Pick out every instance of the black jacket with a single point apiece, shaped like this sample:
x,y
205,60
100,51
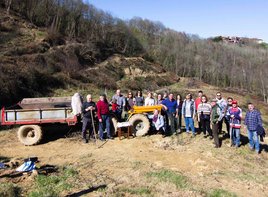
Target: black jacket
x,y
87,114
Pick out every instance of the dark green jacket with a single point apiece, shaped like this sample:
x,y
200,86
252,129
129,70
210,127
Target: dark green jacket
x,y
216,114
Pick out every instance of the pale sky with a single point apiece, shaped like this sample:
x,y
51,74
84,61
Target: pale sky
x,y
206,18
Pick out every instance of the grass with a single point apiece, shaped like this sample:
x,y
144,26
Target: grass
x,y
221,193
53,185
169,176
142,191
9,190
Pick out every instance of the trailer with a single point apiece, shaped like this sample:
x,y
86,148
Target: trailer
x,y
34,113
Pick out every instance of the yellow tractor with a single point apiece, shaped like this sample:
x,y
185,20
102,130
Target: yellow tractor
x,y
139,117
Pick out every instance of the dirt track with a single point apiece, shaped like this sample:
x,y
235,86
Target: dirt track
x,y
125,163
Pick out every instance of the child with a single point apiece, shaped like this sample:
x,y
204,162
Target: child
x,y
115,108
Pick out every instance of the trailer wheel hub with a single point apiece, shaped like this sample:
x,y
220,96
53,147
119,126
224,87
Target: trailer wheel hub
x,y
30,134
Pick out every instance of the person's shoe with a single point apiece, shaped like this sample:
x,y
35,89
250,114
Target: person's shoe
x,y
210,137
178,131
193,135
216,147
101,139
110,138
188,132
85,141
236,146
205,136
251,148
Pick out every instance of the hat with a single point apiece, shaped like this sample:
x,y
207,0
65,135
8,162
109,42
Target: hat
x,y
214,100
234,102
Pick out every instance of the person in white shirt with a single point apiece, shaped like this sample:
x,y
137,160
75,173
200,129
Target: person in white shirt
x,y
149,101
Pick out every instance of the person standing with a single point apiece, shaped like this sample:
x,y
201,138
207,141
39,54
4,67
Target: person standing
x,y
188,112
222,105
216,116
159,99
149,101
203,116
227,116
197,101
179,107
104,117
139,99
235,124
121,101
253,120
170,106
130,101
88,109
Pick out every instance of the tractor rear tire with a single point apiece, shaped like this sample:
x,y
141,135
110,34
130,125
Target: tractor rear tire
x,y
30,134
140,124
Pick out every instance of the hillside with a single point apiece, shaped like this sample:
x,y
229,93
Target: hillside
x,y
56,55
34,63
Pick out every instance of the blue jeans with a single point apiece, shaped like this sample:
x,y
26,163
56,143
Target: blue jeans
x,y
189,122
104,124
235,136
254,140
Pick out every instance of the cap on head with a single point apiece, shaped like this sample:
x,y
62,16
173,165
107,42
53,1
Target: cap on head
x,y
214,100
234,102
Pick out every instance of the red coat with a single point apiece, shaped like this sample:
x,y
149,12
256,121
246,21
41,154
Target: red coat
x,y
197,102
102,108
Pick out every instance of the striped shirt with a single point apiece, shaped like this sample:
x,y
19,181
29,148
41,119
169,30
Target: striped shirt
x,y
205,108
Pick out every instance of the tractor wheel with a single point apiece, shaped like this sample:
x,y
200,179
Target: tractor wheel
x,y
30,134
140,123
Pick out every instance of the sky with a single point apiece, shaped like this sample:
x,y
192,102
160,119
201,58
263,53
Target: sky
x,y
206,18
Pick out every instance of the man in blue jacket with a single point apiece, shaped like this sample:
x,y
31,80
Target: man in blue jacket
x,y
170,106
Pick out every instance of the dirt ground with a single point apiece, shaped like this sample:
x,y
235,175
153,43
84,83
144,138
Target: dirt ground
x,y
120,166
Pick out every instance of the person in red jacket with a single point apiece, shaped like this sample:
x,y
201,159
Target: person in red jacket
x,y
103,116
197,102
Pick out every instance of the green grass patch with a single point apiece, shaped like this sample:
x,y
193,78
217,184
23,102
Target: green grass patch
x,y
9,190
142,191
169,176
53,185
221,193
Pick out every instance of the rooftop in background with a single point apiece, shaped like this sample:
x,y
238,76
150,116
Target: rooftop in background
x,y
206,18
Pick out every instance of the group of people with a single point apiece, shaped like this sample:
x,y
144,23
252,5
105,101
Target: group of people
x,y
209,115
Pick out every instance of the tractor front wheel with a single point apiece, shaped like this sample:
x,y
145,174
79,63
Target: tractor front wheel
x,y
140,123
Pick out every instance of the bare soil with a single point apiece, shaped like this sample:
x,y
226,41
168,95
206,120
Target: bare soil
x,y
119,167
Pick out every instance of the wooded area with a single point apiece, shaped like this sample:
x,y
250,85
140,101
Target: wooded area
x,y
225,65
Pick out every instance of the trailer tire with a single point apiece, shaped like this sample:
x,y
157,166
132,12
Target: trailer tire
x,y
30,134
140,124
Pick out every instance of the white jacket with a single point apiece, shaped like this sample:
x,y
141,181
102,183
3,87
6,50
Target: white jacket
x,y
159,123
